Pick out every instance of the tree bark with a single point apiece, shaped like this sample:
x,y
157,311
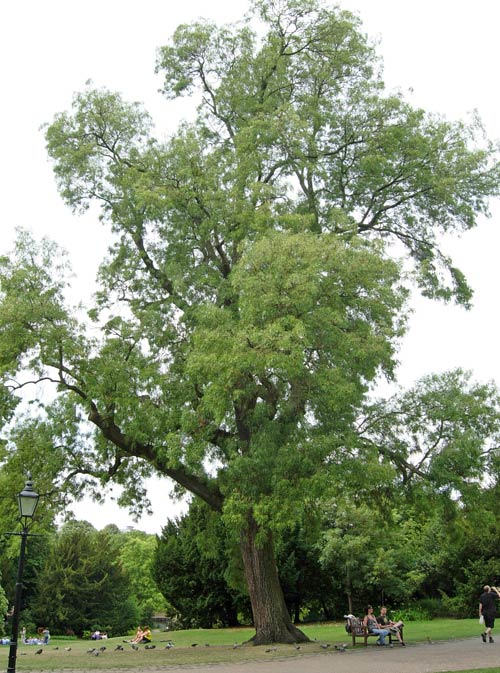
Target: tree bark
x,y
349,591
271,618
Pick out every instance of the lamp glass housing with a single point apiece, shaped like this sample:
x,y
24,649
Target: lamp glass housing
x,y
27,500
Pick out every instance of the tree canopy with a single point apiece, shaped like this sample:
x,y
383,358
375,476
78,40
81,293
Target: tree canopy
x,y
251,294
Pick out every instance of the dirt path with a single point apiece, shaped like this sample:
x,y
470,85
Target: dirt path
x,y
449,655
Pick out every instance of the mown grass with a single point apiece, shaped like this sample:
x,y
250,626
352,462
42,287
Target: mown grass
x,y
204,646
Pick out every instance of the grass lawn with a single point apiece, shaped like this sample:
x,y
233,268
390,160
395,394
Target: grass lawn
x,y
203,646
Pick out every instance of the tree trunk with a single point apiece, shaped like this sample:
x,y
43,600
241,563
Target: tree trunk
x,y
349,591
271,619
349,603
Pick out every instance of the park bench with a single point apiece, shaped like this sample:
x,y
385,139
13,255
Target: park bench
x,y
358,630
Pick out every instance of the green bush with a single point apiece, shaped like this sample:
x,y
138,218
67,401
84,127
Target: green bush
x,y
456,606
413,613
433,607
26,621
426,609
465,599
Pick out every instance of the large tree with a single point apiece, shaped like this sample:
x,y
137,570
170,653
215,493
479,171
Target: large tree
x,y
248,300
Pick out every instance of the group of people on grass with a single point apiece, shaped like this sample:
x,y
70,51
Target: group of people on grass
x,y
42,639
382,626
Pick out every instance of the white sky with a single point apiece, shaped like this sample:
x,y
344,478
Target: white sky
x,y
445,50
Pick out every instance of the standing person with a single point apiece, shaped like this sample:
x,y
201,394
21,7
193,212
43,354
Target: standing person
x,y
488,610
370,621
394,627
46,636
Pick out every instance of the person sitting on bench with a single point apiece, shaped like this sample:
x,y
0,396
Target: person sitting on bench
x,y
394,627
371,623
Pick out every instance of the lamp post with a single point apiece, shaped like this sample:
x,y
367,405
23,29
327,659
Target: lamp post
x,y
27,501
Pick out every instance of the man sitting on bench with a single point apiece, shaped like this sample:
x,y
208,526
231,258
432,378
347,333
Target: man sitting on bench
x,y
394,627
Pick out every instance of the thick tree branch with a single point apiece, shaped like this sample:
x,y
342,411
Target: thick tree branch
x,y
207,492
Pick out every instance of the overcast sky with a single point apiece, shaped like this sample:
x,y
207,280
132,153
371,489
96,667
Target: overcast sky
x,y
443,53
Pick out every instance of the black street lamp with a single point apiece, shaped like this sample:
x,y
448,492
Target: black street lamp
x,y
27,500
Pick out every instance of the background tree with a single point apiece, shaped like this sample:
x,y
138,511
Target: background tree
x,y
15,464
193,568
474,555
348,552
136,551
441,436
257,299
429,458
4,606
83,585
308,587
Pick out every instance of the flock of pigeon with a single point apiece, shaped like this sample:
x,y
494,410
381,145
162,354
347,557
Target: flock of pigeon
x,y
40,650
94,651
98,651
325,646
